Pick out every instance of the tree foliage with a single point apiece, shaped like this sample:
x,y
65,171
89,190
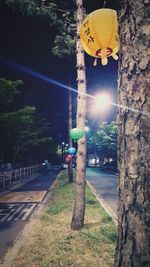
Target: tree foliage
x,y
105,140
64,43
65,40
61,14
45,10
21,129
8,90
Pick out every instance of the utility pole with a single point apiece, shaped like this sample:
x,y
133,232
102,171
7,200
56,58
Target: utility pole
x,y
62,153
70,170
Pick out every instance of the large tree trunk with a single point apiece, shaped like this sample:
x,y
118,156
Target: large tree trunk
x,y
79,209
133,248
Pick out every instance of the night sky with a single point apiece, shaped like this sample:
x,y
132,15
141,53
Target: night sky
x,y
28,41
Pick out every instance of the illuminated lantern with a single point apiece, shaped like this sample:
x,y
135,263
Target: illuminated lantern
x,y
68,157
76,134
99,34
71,150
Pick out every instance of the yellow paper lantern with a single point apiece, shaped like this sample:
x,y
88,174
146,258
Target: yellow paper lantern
x,y
99,34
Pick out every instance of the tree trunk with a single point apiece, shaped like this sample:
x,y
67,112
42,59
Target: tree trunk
x,y
70,170
133,248
79,209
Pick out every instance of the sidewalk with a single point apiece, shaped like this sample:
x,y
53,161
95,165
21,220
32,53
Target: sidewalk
x,y
18,203
4,191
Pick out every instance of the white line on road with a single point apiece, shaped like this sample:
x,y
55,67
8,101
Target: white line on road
x,y
6,216
12,216
16,211
28,211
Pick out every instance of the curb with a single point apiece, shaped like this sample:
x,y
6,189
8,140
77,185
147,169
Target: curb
x,y
115,173
27,229
103,203
43,203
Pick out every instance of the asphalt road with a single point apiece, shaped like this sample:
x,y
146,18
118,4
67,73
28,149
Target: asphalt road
x,y
17,206
105,184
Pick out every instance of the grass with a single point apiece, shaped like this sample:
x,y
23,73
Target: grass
x,y
53,244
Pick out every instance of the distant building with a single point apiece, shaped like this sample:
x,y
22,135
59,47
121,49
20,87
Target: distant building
x,y
92,160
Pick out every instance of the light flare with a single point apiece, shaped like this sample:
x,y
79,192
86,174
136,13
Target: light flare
x,y
102,102
59,84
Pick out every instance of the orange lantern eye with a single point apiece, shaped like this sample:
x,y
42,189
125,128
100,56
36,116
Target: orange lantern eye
x,y
99,34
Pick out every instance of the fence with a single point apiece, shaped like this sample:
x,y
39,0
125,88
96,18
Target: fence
x,y
13,176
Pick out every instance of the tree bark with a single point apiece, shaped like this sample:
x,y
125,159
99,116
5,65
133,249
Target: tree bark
x,y
133,247
79,209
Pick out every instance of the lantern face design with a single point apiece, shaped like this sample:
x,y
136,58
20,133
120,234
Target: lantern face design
x,y
71,150
99,34
76,134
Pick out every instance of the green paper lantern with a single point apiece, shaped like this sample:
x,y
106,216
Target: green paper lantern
x,y
76,134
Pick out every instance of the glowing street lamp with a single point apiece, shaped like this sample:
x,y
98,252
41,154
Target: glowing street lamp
x,y
87,128
102,102
62,152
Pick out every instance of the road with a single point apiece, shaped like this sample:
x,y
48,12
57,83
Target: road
x,y
17,206
105,184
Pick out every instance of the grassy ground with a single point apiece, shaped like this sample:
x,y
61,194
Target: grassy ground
x,y
52,243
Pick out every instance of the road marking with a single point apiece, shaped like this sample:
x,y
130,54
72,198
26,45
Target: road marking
x,y
26,196
7,213
27,212
15,212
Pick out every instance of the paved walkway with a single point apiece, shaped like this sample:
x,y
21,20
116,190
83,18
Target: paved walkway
x,y
17,205
105,184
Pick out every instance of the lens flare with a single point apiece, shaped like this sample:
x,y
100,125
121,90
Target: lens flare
x,y
35,74
59,84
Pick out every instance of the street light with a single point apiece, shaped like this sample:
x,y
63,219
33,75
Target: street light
x,y
102,102
87,128
98,107
62,152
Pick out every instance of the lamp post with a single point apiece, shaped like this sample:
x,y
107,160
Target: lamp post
x,y
70,170
62,153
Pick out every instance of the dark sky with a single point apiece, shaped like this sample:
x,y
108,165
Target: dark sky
x,y
28,41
